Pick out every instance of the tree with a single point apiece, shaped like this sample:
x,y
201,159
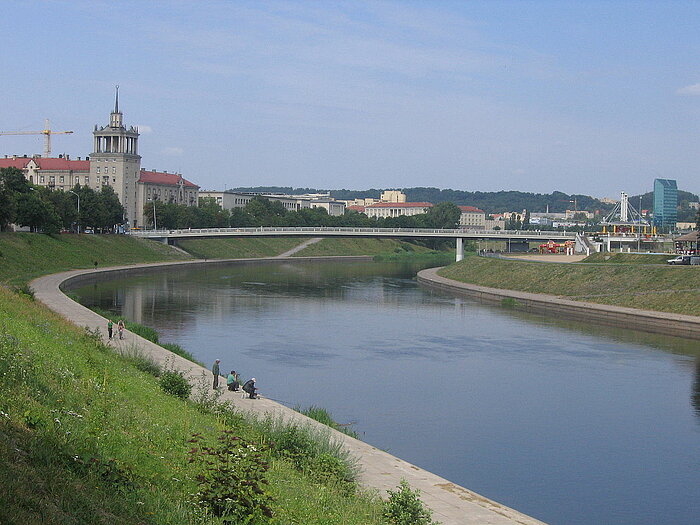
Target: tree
x,y
112,210
444,215
36,213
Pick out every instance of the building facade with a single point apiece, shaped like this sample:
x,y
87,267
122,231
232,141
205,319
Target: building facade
x,y
115,162
665,203
472,218
396,209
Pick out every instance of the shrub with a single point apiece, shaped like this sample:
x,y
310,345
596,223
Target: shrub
x,y
174,383
404,507
232,482
296,445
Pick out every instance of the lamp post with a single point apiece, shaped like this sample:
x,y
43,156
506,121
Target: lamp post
x,y
71,191
155,227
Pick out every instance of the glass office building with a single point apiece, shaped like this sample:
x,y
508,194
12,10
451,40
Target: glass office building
x,y
665,203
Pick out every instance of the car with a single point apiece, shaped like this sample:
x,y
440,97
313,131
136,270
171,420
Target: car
x,y
684,259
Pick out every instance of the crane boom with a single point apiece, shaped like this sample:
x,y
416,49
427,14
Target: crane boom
x,y
47,132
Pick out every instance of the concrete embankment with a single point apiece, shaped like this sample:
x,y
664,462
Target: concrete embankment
x,y
687,326
451,504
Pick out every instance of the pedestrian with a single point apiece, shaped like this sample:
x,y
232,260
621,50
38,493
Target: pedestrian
x,y
215,371
120,328
249,388
95,265
110,324
232,381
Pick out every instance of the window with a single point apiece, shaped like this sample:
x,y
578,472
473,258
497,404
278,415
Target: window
x,y
114,169
97,170
42,179
87,180
62,179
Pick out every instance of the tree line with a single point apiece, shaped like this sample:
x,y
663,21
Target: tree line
x,y
261,211
49,211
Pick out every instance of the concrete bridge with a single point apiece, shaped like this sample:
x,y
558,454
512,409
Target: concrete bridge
x,y
510,236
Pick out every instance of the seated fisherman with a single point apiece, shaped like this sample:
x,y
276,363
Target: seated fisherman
x,y
249,388
232,381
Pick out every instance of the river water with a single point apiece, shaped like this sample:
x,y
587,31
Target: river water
x,y
567,422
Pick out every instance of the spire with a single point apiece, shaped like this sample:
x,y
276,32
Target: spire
x,y
115,119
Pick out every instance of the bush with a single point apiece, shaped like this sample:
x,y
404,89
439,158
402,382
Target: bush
x,y
232,481
404,507
295,444
174,383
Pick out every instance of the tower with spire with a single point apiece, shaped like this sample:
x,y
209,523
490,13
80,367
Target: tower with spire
x,y
115,161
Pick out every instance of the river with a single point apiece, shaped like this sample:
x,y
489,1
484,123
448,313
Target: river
x,y
564,421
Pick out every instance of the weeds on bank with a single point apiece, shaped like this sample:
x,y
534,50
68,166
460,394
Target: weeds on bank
x,y
86,437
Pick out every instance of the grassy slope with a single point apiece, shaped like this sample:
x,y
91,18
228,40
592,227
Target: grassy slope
x,y
239,247
628,258
359,246
64,396
24,256
649,287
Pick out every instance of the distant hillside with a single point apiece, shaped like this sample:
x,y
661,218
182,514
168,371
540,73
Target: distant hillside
x,y
491,202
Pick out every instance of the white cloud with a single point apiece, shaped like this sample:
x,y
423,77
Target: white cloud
x,y
173,152
689,90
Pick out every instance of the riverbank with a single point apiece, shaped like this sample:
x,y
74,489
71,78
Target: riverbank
x,y
556,306
653,287
451,503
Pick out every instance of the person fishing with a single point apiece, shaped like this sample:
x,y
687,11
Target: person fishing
x,y
250,389
232,381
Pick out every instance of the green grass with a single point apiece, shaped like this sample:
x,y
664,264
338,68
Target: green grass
x,y
238,247
86,437
359,246
24,256
628,258
674,289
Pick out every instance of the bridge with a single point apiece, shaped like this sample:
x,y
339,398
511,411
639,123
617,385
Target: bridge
x,y
517,236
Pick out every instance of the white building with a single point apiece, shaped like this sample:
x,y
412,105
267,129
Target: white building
x,y
230,199
397,209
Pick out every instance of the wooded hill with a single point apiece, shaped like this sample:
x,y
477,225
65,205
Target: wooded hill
x,y
490,202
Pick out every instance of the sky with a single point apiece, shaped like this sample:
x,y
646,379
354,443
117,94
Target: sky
x,y
590,97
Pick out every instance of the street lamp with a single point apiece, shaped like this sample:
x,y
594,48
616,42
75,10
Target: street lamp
x,y
71,191
155,226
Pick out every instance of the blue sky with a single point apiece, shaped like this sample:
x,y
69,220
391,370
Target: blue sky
x,y
581,97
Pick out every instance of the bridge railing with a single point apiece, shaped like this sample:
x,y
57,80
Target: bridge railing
x,y
414,232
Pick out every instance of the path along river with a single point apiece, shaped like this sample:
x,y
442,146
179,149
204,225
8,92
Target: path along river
x,y
566,422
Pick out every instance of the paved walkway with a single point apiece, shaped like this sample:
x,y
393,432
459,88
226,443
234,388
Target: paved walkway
x,y
303,245
450,503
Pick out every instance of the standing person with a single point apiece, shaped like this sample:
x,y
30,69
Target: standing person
x,y
249,388
110,324
232,381
215,371
120,328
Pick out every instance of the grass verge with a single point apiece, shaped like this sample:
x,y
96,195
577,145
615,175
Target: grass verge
x,y
87,437
674,289
25,256
359,246
238,247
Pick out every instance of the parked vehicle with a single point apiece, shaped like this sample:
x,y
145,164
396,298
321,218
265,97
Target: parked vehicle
x,y
685,259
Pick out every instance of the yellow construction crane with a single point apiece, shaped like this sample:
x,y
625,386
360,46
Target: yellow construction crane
x,y
46,132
